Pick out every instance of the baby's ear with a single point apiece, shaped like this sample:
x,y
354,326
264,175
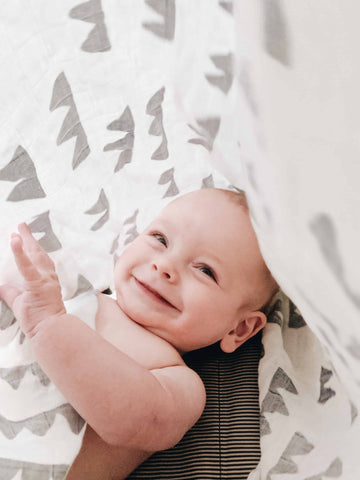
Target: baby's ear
x,y
245,329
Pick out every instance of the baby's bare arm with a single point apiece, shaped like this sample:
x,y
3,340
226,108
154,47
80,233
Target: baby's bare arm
x,y
98,460
126,404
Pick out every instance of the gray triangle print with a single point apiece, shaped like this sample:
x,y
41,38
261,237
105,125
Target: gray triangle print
x,y
124,124
298,445
166,9
273,400
40,424
83,285
208,182
92,12
335,470
276,316
168,177
14,375
154,108
227,5
225,64
276,35
325,392
295,318
21,167
31,471
323,228
71,127
132,232
6,316
207,130
101,205
42,224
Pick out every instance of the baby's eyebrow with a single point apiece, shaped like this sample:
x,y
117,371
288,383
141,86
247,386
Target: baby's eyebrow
x,y
214,262
163,225
157,220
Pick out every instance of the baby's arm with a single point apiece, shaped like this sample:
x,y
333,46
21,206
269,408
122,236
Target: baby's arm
x,y
125,403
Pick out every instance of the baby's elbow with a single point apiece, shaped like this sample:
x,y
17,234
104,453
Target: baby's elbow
x,y
150,435
116,432
164,436
164,432
125,433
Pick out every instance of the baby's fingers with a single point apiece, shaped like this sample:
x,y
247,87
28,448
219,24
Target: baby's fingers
x,y
23,263
36,252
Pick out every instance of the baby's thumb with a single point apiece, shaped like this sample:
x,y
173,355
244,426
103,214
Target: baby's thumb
x,y
9,294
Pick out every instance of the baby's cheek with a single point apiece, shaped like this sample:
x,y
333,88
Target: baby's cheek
x,y
200,306
119,272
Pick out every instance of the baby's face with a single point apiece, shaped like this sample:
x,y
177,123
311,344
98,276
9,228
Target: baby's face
x,y
188,277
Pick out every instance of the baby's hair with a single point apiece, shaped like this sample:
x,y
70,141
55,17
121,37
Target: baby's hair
x,y
238,197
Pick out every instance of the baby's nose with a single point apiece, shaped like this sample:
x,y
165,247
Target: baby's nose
x,y
166,270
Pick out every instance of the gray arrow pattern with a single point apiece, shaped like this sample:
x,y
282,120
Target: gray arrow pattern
x,y
14,375
276,315
31,471
62,97
42,224
101,205
298,445
325,392
154,108
207,130
227,5
276,36
166,9
295,318
225,64
273,400
126,144
132,232
6,316
208,182
324,231
168,177
92,12
354,412
39,424
21,167
83,285
334,471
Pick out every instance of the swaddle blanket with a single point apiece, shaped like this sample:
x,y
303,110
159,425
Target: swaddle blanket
x,y
110,109
40,432
298,69
304,408
102,124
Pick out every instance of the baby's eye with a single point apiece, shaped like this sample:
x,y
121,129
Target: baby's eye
x,y
208,271
160,238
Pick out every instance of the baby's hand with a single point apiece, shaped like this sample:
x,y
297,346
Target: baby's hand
x,y
40,298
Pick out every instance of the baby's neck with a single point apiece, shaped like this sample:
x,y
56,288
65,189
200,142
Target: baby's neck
x,y
131,338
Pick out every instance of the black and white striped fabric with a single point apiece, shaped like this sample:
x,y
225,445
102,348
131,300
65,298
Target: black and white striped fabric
x,y
224,443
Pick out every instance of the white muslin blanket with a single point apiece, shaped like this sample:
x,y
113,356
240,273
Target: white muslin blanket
x,y
304,408
40,432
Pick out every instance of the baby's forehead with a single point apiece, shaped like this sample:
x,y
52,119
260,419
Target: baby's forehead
x,y
205,201
214,214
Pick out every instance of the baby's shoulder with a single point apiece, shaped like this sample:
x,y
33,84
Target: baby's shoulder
x,y
132,339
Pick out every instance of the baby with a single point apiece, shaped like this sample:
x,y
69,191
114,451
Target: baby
x,y
194,277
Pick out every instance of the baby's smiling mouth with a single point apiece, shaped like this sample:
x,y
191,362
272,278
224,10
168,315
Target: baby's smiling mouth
x,y
153,293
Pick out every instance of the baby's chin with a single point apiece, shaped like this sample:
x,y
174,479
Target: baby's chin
x,y
133,316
